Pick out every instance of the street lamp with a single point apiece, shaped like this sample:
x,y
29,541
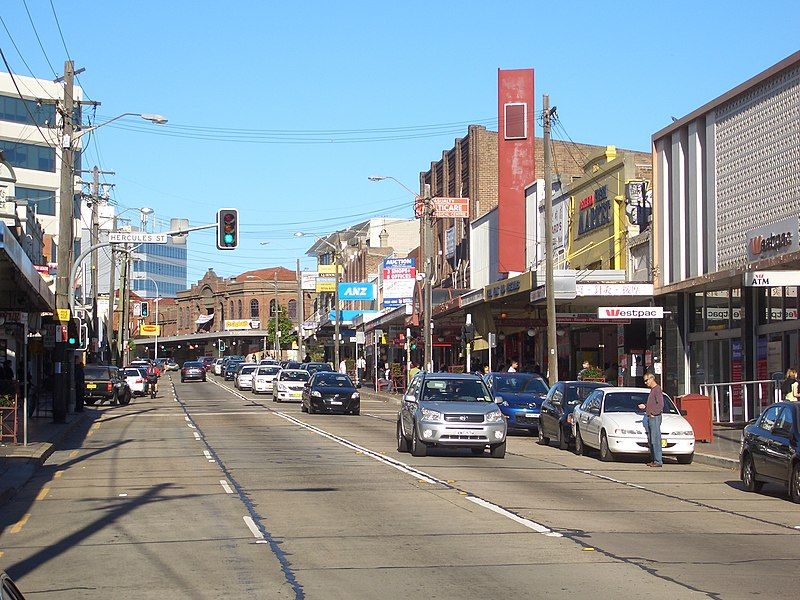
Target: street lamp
x,y
426,248
336,312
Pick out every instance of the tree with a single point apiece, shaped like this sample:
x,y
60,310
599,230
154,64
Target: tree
x,y
285,326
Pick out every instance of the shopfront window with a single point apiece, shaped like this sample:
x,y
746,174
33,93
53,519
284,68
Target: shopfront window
x,y
717,310
736,308
697,308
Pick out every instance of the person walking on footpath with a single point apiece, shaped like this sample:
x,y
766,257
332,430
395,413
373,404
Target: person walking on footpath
x,y
80,385
652,419
343,367
789,387
512,368
361,368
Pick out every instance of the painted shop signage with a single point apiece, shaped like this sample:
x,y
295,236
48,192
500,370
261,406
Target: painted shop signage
x,y
594,211
773,240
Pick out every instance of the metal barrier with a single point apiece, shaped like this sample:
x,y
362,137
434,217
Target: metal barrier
x,y
732,400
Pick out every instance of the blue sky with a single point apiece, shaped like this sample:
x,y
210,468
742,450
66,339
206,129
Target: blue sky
x,y
246,85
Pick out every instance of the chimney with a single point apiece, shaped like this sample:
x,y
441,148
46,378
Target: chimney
x,y
384,238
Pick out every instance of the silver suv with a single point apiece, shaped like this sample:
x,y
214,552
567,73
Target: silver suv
x,y
453,410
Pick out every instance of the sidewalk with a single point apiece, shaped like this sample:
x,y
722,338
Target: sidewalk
x,y
722,451
18,463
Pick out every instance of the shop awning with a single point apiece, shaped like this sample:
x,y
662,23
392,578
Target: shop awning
x,y
21,285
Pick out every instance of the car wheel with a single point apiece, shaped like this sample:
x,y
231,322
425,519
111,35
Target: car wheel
x,y
685,459
605,452
751,484
125,400
114,399
402,442
183,380
356,412
418,447
477,451
498,450
563,443
794,484
580,449
543,440
90,401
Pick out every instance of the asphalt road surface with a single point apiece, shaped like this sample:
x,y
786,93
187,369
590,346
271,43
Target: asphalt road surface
x,y
205,492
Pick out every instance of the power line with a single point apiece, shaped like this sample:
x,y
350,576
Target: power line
x,y
27,66
38,39
61,33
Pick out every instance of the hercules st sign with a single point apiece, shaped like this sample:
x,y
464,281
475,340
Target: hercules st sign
x,y
630,312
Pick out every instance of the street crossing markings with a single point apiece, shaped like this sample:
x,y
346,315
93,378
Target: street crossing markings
x,y
43,493
21,523
226,486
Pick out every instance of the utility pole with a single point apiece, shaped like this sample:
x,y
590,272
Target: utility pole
x,y
427,265
63,364
300,312
552,350
277,334
337,255
111,297
95,239
123,313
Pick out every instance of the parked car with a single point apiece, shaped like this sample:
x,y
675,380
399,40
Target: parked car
x,y
193,370
328,391
230,364
171,365
313,367
244,376
269,361
8,589
520,396
216,366
288,385
140,363
555,417
207,361
137,380
263,377
769,449
106,384
610,421
450,410
292,364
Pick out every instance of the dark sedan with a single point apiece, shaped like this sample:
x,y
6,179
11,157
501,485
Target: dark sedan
x,y
555,418
769,449
193,370
230,368
519,396
328,391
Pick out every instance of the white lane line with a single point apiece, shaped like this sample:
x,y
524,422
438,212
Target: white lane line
x,y
251,525
509,515
196,435
611,479
186,418
207,454
225,486
191,426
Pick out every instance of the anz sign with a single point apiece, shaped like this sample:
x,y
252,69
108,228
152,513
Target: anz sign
x,y
357,291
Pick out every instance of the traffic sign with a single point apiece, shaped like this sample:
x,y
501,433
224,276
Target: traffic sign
x,y
63,314
136,237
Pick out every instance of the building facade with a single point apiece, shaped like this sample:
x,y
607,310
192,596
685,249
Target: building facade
x,y
726,253
164,264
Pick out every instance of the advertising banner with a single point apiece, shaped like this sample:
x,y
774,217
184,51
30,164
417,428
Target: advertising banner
x,y
242,324
356,291
630,312
399,279
308,280
149,330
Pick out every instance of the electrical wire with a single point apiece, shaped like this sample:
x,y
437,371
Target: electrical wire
x,y
38,39
25,62
61,33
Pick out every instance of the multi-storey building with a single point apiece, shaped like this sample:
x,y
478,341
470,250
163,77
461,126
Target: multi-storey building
x,y
163,263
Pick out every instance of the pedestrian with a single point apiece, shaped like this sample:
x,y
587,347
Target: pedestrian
x,y
8,371
486,369
307,358
652,419
361,367
412,371
343,367
584,371
789,387
512,368
80,385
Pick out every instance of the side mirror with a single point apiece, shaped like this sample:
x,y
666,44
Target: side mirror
x,y
594,410
409,398
498,400
684,412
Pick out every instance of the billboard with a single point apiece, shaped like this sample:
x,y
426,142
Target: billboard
x,y
242,324
399,279
308,281
146,329
356,291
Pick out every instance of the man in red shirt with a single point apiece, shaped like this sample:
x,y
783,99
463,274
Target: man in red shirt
x,y
652,419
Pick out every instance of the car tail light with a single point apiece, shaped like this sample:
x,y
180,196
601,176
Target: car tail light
x,y
110,387
140,381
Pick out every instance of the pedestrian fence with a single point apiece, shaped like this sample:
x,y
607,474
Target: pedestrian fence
x,y
740,401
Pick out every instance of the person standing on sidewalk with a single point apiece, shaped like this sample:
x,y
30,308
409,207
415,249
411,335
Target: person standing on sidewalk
x,y
80,385
652,419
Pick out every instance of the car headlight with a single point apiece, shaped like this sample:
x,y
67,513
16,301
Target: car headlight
x,y
431,415
628,432
493,417
355,396
316,394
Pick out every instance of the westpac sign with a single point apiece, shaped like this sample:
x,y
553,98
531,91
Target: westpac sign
x,y
356,291
630,312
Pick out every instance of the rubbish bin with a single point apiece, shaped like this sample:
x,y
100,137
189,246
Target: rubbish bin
x,y
698,413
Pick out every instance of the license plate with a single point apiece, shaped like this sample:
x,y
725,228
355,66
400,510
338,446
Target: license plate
x,y
663,443
296,394
462,432
532,415
91,386
336,402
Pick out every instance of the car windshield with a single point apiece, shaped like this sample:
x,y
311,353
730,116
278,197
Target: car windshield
x,y
268,370
536,385
575,394
96,372
192,365
455,390
511,382
294,376
247,370
132,373
630,401
333,380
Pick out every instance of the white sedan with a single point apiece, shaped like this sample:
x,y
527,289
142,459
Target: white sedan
x,y
289,384
610,421
244,378
137,380
262,378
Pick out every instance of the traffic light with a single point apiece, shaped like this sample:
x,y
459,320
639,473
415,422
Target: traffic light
x,y
145,309
469,333
227,228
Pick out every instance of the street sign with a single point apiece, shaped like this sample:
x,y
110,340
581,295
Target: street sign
x,y
450,208
138,275
63,314
630,312
136,237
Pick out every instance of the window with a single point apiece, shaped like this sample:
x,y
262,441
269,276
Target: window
x,y
786,420
292,309
272,307
239,309
42,201
254,309
29,156
516,121
27,112
768,418
232,315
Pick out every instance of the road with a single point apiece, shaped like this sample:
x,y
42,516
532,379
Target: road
x,y
205,492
